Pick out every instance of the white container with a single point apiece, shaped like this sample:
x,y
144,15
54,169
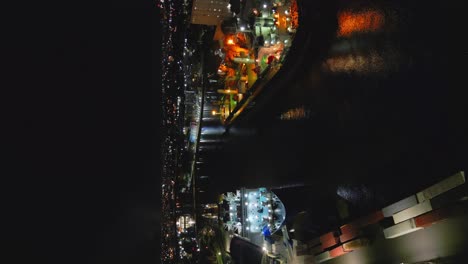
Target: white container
x,y
411,212
400,206
441,187
401,229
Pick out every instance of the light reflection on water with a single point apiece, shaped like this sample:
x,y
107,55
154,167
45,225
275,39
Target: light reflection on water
x,y
367,20
357,49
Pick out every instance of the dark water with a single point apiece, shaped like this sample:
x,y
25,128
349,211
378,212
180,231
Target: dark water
x,y
379,80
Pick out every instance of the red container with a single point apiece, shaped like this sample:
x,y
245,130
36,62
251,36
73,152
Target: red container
x,y
359,223
350,228
336,252
328,240
370,219
428,218
349,234
434,216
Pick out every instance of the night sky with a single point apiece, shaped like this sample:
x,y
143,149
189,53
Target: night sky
x,y
83,140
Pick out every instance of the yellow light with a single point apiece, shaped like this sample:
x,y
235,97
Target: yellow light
x,y
230,42
213,112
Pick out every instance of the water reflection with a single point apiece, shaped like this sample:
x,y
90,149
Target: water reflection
x,y
361,45
350,22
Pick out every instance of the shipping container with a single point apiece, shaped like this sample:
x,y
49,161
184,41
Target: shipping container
x,y
354,229
411,212
328,240
400,206
438,215
441,187
349,234
400,229
336,252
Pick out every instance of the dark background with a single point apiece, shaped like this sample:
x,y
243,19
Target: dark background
x,y
82,116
